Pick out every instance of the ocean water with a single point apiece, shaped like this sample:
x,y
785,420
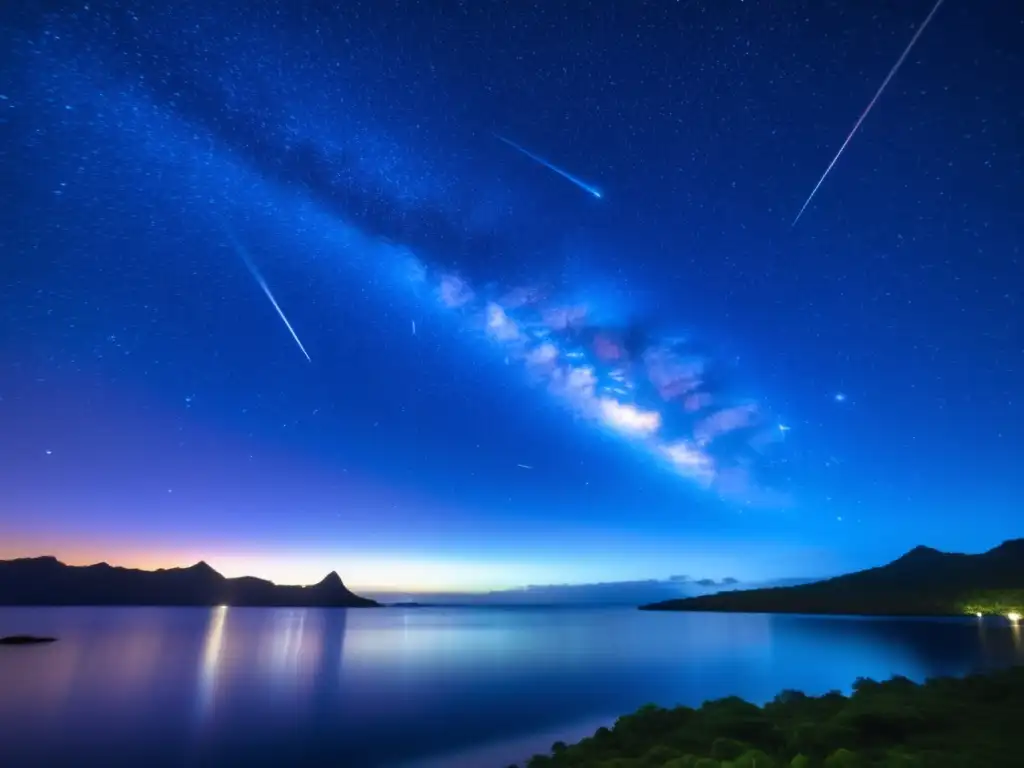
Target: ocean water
x,y
417,687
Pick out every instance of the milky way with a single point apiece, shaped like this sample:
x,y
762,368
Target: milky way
x,y
655,390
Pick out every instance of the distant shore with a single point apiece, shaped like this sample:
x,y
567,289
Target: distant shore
x,y
46,581
922,583
672,607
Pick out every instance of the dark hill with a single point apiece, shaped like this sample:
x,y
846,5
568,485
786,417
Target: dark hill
x,y
923,582
47,581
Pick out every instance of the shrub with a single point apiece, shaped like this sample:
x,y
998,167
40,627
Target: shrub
x,y
945,723
727,749
658,755
843,758
686,761
753,758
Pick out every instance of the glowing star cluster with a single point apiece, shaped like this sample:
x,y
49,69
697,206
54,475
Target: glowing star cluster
x,y
656,393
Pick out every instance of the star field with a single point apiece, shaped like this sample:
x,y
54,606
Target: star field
x,y
273,295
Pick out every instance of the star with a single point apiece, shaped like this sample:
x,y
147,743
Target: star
x,y
839,397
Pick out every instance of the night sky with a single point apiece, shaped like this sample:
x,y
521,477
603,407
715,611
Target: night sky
x,y
559,325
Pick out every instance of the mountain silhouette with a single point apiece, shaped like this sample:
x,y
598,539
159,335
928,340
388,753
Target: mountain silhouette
x,y
47,581
923,582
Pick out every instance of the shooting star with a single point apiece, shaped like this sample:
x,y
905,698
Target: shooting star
x,y
240,250
524,466
564,174
413,327
871,104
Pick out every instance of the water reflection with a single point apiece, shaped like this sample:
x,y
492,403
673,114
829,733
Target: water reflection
x,y
174,687
292,646
213,647
1015,633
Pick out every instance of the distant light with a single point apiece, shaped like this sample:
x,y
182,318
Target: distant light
x,y
1013,616
978,614
840,397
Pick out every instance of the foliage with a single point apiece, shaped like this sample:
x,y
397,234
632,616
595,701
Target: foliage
x,y
993,602
945,722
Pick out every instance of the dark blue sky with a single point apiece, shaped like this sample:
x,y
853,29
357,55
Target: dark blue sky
x,y
510,381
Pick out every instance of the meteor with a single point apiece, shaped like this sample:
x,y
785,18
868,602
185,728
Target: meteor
x,y
240,250
864,114
564,174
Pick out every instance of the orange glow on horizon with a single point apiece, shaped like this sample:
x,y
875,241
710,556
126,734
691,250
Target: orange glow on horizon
x,y
81,553
362,574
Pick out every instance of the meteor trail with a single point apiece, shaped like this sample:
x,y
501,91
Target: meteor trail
x,y
864,114
564,174
240,250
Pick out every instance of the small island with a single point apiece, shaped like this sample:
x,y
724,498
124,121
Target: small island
x,y
923,582
26,640
943,723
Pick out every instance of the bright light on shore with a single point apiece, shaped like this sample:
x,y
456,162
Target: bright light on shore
x,y
1013,616
978,614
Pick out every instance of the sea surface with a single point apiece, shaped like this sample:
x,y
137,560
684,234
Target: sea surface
x,y
417,687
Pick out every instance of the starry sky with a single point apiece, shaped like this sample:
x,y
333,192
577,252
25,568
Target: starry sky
x,y
475,295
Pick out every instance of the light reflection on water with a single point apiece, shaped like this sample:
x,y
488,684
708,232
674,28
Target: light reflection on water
x,y
181,686
213,645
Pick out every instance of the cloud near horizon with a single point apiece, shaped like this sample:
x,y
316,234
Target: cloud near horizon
x,y
636,592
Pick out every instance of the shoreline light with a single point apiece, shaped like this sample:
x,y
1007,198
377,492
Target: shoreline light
x,y
1013,616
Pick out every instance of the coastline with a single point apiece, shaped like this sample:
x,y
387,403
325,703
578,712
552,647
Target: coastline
x,y
1011,616
944,721
515,751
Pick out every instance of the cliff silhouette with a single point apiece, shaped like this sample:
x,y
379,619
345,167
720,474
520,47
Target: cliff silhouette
x,y
47,581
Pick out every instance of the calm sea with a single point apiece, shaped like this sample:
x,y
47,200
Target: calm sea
x,y
472,687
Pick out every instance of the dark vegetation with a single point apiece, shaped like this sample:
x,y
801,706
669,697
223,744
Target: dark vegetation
x,y
47,581
972,722
924,582
26,640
